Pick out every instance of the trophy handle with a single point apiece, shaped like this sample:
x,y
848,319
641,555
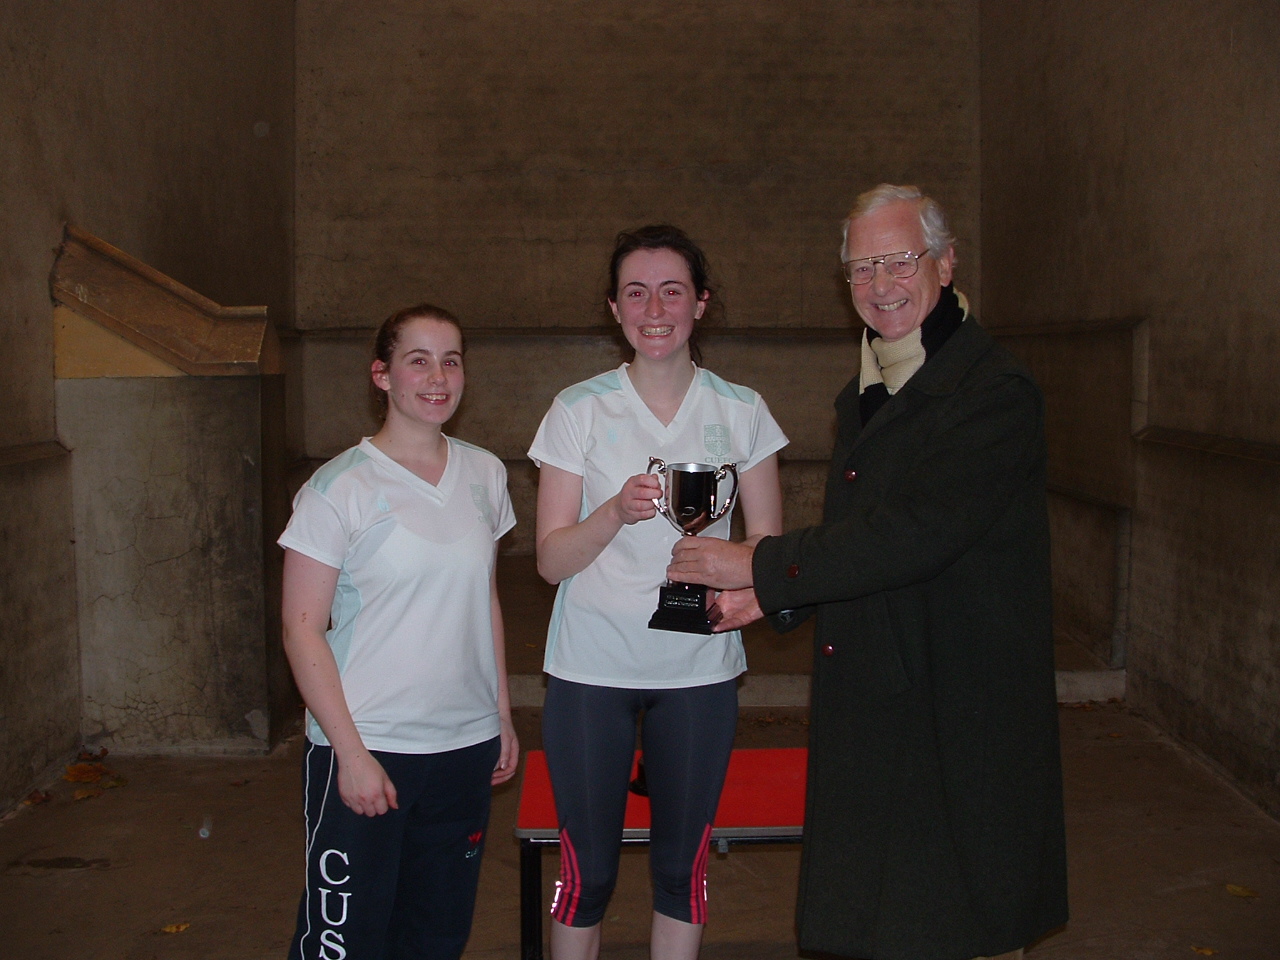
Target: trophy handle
x,y
730,469
660,502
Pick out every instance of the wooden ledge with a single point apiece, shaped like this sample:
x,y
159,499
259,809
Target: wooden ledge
x,y
157,314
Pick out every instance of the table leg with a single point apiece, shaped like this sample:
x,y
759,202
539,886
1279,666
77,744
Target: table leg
x,y
530,901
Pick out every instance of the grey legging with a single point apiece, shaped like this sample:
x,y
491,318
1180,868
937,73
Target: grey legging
x,y
589,734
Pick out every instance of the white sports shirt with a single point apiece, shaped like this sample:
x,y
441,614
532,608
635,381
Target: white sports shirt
x,y
410,627
602,431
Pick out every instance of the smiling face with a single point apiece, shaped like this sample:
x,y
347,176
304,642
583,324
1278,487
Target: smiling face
x,y
656,303
424,379
888,305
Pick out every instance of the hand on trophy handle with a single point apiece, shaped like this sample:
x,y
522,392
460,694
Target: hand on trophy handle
x,y
635,499
721,564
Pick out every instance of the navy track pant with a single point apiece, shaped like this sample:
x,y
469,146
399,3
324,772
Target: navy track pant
x,y
401,884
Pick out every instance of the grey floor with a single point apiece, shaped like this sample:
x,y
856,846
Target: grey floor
x,y
1166,859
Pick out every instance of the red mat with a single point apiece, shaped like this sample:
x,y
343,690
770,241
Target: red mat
x,y
763,789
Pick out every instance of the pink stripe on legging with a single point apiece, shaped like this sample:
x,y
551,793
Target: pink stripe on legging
x,y
569,887
698,882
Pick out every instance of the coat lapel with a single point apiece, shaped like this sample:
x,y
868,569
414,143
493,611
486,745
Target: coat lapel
x,y
937,378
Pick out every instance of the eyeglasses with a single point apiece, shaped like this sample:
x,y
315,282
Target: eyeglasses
x,y
901,265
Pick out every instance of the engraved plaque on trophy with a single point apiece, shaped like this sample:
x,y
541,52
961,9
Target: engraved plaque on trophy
x,y
692,503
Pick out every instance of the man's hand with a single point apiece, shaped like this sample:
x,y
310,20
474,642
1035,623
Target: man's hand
x,y
734,609
715,563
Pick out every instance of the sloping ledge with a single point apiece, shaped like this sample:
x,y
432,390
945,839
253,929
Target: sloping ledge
x,y
1103,418
27,452
159,315
1210,443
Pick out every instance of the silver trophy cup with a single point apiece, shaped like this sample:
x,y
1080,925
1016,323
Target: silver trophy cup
x,y
691,502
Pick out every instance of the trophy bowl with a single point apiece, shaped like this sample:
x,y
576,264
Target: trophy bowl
x,y
691,502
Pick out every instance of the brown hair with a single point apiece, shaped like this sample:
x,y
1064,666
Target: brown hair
x,y
388,338
664,236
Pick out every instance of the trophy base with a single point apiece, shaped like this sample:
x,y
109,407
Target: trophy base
x,y
682,608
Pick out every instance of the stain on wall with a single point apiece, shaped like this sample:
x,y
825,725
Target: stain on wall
x,y
168,517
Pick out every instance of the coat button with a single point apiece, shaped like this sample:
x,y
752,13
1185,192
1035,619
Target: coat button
x,y
828,649
851,475
793,571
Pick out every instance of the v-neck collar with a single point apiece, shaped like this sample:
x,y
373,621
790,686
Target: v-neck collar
x,y
642,408
438,491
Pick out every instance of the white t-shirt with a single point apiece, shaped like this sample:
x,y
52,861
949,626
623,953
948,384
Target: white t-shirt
x,y
602,431
411,627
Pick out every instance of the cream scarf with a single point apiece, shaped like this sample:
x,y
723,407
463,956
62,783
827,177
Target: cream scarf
x,y
893,364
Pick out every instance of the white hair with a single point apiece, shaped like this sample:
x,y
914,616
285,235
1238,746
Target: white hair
x,y
937,237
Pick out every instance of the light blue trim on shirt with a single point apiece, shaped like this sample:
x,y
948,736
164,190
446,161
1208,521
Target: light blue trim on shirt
x,y
472,446
324,478
347,604
557,618
595,387
731,391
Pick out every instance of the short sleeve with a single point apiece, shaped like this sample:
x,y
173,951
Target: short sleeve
x,y
316,529
766,436
506,515
558,442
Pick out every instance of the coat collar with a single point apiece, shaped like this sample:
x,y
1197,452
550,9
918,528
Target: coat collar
x,y
940,377
943,373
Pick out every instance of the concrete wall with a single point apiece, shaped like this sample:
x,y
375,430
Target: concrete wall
x,y
484,156
1129,156
167,480
39,661
167,130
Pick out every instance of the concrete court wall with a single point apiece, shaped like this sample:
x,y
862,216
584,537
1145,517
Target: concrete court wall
x,y
1129,158
167,481
167,130
483,157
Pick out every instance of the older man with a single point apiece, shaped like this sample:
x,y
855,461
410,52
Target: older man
x,y
934,828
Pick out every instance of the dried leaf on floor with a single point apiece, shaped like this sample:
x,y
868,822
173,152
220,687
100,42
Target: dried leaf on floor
x,y
174,927
113,781
85,772
37,797
1238,891
88,793
1205,951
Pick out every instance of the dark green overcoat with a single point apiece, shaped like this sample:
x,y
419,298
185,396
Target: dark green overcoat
x,y
934,823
